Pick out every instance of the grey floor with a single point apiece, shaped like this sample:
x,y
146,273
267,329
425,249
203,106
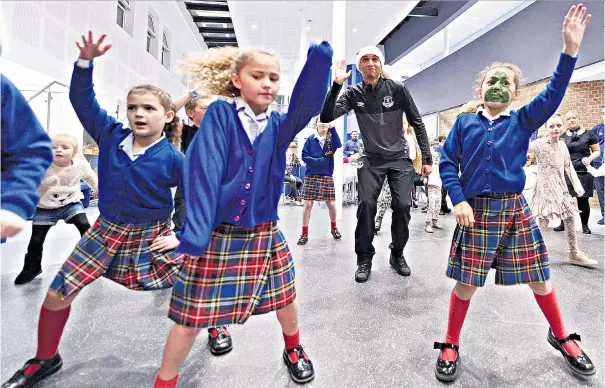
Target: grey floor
x,y
377,334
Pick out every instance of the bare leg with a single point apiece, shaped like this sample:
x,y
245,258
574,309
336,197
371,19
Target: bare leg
x,y
178,345
332,210
288,318
307,212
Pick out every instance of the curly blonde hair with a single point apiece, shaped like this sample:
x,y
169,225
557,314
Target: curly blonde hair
x,y
214,68
472,106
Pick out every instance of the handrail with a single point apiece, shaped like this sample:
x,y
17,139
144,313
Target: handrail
x,y
44,88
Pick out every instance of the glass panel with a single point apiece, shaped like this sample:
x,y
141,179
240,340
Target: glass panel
x,y
120,17
150,23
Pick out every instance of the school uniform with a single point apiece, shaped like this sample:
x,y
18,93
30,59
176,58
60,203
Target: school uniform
x,y
135,203
237,260
318,157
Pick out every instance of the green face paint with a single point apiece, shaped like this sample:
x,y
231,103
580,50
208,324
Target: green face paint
x,y
498,88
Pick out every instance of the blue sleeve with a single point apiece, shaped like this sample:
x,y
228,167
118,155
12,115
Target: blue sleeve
x,y
309,92
336,142
311,160
347,149
95,120
179,165
533,115
26,153
205,163
449,165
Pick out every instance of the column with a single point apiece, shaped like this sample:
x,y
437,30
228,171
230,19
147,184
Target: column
x,y
339,12
446,41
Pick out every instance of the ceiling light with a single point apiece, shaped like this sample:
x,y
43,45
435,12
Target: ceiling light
x,y
354,29
204,25
226,35
308,28
254,26
225,25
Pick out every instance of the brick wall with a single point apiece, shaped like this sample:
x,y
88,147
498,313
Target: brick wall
x,y
586,98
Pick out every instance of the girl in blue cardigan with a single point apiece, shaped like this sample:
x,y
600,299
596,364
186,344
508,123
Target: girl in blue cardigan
x,y
237,261
131,242
482,170
318,155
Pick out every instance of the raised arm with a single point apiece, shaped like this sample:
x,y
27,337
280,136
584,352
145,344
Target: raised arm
x,y
308,93
95,120
26,153
205,164
335,106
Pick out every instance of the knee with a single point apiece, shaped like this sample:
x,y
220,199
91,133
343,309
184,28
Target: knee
x,y
543,288
54,301
186,331
400,205
464,291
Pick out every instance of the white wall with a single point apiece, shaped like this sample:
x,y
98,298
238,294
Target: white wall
x,y
38,45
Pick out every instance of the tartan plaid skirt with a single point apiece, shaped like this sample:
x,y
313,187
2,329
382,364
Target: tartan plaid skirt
x,y
242,272
318,188
505,237
119,252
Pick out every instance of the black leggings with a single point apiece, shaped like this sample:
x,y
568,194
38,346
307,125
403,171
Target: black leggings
x,y
584,208
34,249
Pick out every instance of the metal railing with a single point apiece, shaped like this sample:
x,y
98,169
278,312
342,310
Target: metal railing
x,y
49,99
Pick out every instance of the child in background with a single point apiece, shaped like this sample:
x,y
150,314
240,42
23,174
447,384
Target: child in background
x,y
434,197
237,260
26,154
482,169
60,196
131,242
531,177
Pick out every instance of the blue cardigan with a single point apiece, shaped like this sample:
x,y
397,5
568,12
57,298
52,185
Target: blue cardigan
x,y
130,192
229,180
313,155
27,152
491,155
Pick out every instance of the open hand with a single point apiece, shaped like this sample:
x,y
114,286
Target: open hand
x,y
10,223
90,49
165,243
464,214
573,29
340,72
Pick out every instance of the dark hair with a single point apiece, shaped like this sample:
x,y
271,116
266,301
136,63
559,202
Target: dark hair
x,y
442,138
165,101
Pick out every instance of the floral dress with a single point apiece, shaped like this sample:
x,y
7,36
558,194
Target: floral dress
x,y
551,198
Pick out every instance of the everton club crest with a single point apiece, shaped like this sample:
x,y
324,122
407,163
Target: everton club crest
x,y
387,102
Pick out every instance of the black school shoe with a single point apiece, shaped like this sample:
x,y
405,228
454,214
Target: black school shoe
x,y
363,272
47,368
304,238
581,364
399,264
220,344
302,370
336,234
446,371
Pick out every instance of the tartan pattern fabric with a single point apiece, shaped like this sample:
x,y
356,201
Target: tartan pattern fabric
x,y
242,272
119,252
318,188
505,237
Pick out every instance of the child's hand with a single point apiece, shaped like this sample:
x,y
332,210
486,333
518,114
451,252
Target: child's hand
x,y
10,224
573,29
464,214
164,243
89,49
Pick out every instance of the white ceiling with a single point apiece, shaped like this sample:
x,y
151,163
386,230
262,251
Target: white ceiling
x,y
287,27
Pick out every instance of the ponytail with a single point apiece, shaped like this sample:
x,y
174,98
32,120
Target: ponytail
x,y
174,129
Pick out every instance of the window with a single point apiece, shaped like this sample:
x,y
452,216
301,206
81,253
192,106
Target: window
x,y
124,15
166,50
151,36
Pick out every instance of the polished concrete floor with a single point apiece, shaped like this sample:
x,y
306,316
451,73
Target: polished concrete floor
x,y
377,334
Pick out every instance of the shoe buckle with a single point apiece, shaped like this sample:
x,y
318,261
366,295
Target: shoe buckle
x,y
571,337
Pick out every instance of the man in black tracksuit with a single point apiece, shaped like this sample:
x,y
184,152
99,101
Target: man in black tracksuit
x,y
379,105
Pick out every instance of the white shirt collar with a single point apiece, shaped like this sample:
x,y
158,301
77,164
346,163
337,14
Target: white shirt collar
x,y
127,145
240,104
490,118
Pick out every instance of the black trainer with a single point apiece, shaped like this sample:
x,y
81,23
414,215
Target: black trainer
x,y
220,344
304,238
399,264
302,370
47,368
446,371
363,272
581,364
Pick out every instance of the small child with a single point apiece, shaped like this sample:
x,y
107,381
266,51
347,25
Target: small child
x,y
26,154
60,195
237,260
482,169
318,155
531,177
131,242
434,197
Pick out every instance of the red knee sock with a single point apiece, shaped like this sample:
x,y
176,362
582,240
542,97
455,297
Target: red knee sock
x,y
50,329
333,224
550,307
305,230
159,383
457,313
291,342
